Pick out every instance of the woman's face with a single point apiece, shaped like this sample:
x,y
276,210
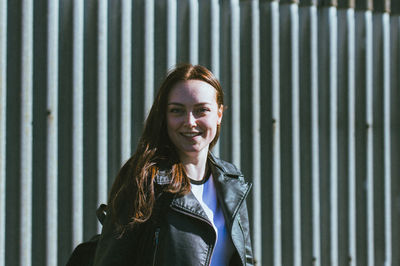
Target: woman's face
x,y
192,117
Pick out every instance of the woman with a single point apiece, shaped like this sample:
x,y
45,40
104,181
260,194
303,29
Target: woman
x,y
173,202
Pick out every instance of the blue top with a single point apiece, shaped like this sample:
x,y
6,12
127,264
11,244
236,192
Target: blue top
x,y
206,194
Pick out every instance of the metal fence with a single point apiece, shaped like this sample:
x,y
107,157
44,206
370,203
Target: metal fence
x,y
313,118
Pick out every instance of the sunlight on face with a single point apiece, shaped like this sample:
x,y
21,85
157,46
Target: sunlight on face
x,y
192,117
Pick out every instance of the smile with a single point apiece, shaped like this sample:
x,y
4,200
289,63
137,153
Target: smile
x,y
191,134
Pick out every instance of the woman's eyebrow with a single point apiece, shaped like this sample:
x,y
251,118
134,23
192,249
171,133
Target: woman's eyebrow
x,y
197,104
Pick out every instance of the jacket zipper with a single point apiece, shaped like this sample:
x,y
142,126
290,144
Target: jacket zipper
x,y
201,219
156,233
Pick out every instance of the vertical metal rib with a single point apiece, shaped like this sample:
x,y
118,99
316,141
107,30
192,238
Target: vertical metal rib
x,y
352,136
149,56
294,17
387,138
3,116
315,138
77,128
369,120
333,141
26,133
235,79
102,123
126,68
52,135
215,54
171,33
215,39
256,130
194,32
277,213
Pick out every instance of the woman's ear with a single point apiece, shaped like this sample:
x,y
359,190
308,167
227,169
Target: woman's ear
x,y
220,113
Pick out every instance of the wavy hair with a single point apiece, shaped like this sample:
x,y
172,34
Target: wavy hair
x,y
132,195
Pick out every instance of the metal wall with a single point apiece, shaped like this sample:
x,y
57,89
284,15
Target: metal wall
x,y
313,118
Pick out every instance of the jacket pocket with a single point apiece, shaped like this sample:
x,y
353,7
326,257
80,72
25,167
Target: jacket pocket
x,y
155,244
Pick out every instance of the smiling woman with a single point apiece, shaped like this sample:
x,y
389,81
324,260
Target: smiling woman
x,y
193,116
174,202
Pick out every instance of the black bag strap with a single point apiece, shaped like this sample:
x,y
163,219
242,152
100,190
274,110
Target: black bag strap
x,y
163,201
101,213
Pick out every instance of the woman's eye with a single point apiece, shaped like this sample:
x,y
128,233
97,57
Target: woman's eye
x,y
202,110
175,110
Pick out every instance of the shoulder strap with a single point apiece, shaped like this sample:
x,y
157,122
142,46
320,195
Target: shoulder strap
x,y
101,213
163,201
84,253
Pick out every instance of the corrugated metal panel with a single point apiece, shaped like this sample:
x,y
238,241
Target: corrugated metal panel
x,y
102,104
52,134
313,118
395,137
387,140
77,121
276,135
26,137
171,33
148,56
235,67
3,129
370,134
256,130
347,57
126,79
309,106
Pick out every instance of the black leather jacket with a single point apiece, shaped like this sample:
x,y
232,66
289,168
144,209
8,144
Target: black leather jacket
x,y
185,235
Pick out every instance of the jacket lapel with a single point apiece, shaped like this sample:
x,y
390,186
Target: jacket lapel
x,y
189,203
232,191
231,188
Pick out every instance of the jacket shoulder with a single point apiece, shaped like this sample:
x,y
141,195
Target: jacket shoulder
x,y
226,167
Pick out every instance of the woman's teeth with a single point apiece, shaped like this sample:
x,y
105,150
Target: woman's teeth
x,y
191,134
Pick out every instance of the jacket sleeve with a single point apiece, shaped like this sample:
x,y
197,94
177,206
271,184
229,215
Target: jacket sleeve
x,y
244,222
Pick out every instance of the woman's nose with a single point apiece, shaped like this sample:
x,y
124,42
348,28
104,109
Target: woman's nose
x,y
190,120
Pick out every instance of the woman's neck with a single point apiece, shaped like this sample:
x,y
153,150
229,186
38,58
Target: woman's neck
x,y
195,167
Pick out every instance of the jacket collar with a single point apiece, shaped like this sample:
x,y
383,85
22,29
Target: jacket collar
x,y
190,204
232,190
231,187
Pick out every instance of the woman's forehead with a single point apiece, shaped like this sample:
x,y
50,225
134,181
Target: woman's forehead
x,y
192,91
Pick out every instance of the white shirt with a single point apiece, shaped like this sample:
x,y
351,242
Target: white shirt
x,y
206,194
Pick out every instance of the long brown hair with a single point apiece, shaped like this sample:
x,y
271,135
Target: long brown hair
x,y
132,195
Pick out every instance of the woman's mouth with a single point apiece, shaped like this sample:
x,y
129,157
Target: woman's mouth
x,y
190,134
